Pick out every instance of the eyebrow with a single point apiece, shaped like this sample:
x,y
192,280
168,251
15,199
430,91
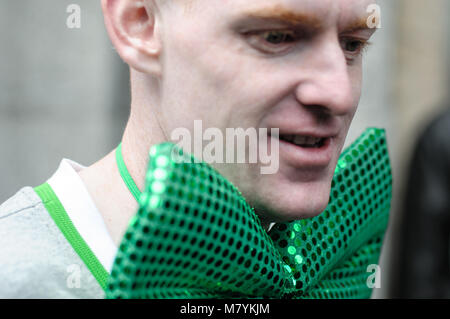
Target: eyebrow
x,y
359,24
279,13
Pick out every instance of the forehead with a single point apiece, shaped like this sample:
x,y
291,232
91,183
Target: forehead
x,y
323,12
319,6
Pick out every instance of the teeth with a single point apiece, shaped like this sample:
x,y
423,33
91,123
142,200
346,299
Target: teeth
x,y
302,140
306,140
289,138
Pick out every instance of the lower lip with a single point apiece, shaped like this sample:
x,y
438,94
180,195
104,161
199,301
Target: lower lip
x,y
307,157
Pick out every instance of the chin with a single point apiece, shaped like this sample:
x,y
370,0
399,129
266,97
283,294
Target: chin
x,y
285,196
301,202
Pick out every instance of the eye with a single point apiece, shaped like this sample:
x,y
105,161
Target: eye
x,y
277,37
354,48
273,41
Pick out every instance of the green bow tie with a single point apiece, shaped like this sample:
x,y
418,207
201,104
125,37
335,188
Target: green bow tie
x,y
194,235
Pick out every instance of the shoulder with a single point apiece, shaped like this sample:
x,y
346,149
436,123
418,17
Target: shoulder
x,y
433,143
37,260
439,127
24,199
21,217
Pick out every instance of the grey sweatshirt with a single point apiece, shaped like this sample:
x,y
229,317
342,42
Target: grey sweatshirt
x,y
36,260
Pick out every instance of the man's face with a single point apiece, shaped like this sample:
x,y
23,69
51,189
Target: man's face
x,y
288,64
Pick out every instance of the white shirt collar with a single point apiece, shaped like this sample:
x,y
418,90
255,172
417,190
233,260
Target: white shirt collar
x,y
76,200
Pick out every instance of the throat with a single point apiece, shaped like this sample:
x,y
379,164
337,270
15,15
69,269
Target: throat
x,y
109,194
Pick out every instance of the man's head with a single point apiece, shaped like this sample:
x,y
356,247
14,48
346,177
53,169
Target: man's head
x,y
288,64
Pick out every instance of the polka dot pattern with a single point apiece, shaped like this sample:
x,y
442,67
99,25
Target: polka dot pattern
x,y
357,212
194,236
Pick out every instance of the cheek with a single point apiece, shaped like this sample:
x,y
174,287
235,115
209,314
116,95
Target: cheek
x,y
223,89
355,74
224,68
188,90
356,80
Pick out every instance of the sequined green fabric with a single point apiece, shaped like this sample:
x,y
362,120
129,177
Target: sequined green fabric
x,y
194,235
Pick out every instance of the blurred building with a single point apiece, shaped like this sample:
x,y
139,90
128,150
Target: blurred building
x,y
420,87
65,92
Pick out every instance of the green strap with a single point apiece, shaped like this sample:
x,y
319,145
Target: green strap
x,y
126,177
62,220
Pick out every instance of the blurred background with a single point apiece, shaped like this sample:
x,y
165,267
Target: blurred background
x,y
64,93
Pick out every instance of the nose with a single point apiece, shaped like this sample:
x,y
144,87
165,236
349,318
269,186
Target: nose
x,y
326,81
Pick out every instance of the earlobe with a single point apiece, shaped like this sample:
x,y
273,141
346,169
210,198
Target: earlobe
x,y
134,32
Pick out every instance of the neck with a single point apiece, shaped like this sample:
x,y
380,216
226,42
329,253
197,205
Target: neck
x,y
103,181
135,148
113,199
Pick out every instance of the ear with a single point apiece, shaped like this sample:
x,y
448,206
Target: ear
x,y
134,32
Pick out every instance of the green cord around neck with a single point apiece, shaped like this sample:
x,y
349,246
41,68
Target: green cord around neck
x,y
126,177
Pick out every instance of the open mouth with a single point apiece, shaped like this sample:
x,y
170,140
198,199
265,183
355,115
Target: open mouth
x,y
304,141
